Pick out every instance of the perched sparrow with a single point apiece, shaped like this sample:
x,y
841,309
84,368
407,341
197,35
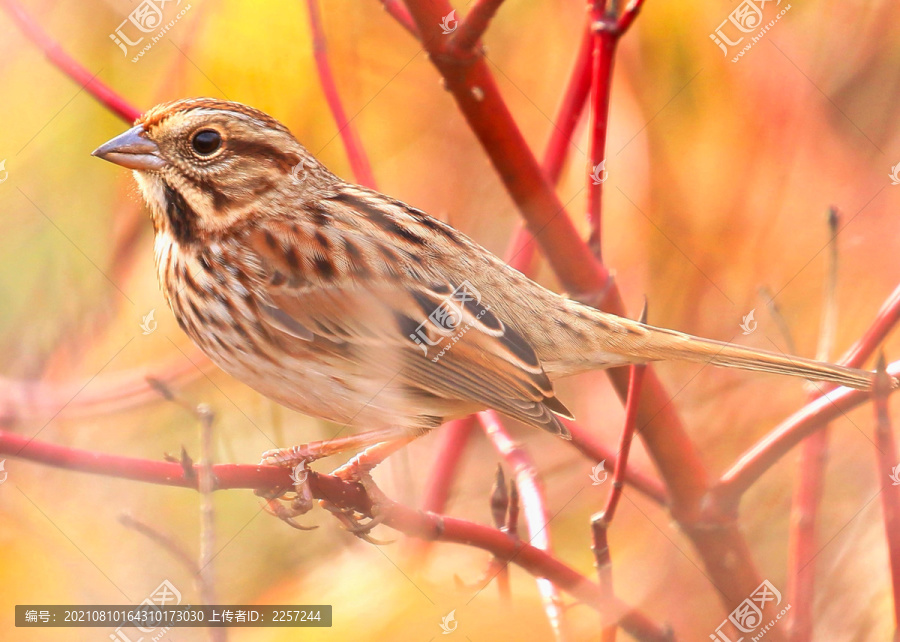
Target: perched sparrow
x,y
348,305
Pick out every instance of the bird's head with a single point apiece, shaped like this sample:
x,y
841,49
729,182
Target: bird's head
x,y
204,164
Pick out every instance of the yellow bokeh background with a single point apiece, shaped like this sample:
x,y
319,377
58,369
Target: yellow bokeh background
x,y
720,176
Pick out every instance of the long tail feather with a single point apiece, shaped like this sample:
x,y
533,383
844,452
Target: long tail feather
x,y
639,342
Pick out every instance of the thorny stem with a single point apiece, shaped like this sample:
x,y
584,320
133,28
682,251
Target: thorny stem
x,y
343,494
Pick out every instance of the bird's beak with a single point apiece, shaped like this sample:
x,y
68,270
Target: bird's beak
x,y
132,150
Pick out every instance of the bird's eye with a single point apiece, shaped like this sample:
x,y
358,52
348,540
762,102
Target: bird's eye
x,y
206,142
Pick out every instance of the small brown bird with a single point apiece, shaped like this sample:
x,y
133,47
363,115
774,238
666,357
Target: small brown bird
x,y
351,306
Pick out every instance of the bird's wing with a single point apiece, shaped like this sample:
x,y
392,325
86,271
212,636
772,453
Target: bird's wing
x,y
439,338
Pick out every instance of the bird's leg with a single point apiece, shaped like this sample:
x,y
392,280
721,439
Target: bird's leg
x,y
359,470
290,457
298,457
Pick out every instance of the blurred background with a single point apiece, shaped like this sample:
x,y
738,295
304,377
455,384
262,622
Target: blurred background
x,y
720,177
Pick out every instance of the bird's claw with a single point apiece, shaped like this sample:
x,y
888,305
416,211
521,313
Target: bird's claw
x,y
276,501
355,525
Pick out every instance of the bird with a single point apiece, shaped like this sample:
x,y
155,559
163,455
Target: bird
x,y
351,306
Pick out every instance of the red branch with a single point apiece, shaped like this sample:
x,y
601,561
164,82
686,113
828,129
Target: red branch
x,y
591,447
774,445
603,563
888,469
476,92
802,534
885,321
802,541
40,400
474,25
455,436
763,455
531,492
65,63
628,17
631,410
578,88
356,154
347,495
604,39
723,549
521,251
601,521
399,13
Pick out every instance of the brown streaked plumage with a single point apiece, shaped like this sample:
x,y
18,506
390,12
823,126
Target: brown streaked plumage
x,y
332,299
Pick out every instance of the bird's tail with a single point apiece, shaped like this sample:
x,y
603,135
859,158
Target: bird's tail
x,y
635,342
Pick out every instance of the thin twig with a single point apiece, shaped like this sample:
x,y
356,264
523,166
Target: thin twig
x,y
205,577
888,469
499,511
629,15
521,251
601,521
68,65
603,563
108,393
166,542
781,439
771,448
532,493
356,153
802,540
605,38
